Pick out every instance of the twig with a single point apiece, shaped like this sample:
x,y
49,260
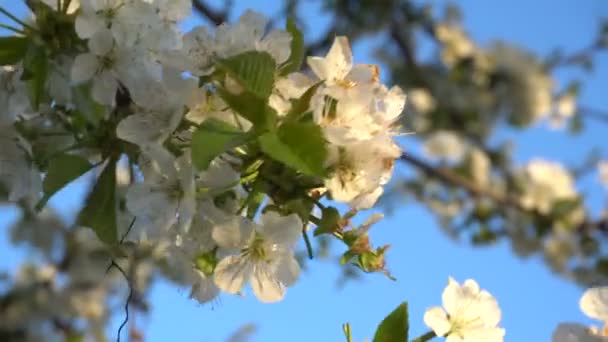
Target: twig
x,y
129,297
593,113
448,177
451,178
216,17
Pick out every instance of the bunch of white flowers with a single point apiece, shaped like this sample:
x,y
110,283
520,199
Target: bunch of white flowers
x,y
211,147
544,183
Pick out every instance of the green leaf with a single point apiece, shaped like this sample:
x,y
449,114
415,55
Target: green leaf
x,y
12,49
564,207
301,105
99,212
347,257
213,138
62,170
206,262
347,332
251,108
329,221
300,146
294,62
253,70
254,201
86,107
395,327
35,72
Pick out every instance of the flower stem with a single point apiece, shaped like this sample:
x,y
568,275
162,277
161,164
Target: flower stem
x,y
426,337
307,242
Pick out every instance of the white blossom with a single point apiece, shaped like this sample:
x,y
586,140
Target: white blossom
x,y
469,314
594,303
264,255
543,183
445,145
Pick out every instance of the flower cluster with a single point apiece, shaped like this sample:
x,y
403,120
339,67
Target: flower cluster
x,y
211,148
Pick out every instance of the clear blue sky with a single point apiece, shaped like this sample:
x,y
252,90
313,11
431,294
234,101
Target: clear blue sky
x,y
532,299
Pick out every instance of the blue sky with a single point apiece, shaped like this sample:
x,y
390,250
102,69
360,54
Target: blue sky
x,y
532,299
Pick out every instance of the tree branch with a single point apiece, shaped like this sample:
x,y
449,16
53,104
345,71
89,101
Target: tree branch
x,y
452,179
213,15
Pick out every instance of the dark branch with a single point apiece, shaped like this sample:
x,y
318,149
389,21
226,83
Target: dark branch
x,y
213,15
452,179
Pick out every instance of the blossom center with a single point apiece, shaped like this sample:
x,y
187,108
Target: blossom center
x,y
256,250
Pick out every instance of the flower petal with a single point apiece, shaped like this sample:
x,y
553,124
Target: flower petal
x,y
282,230
204,289
265,286
84,67
287,269
233,234
594,303
573,332
436,319
101,42
231,273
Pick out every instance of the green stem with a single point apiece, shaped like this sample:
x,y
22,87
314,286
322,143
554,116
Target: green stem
x,y
307,242
426,337
15,19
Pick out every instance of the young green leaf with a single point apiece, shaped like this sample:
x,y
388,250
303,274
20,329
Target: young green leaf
x,y
12,49
294,63
253,70
213,138
394,327
329,221
62,170
251,108
35,72
99,212
301,105
300,146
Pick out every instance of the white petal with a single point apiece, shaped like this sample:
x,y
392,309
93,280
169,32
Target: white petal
x,y
87,24
454,298
265,286
84,67
104,88
287,269
367,200
436,319
318,67
204,289
364,73
233,234
151,205
231,273
254,23
101,42
484,334
573,332
337,63
278,44
283,230
594,303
